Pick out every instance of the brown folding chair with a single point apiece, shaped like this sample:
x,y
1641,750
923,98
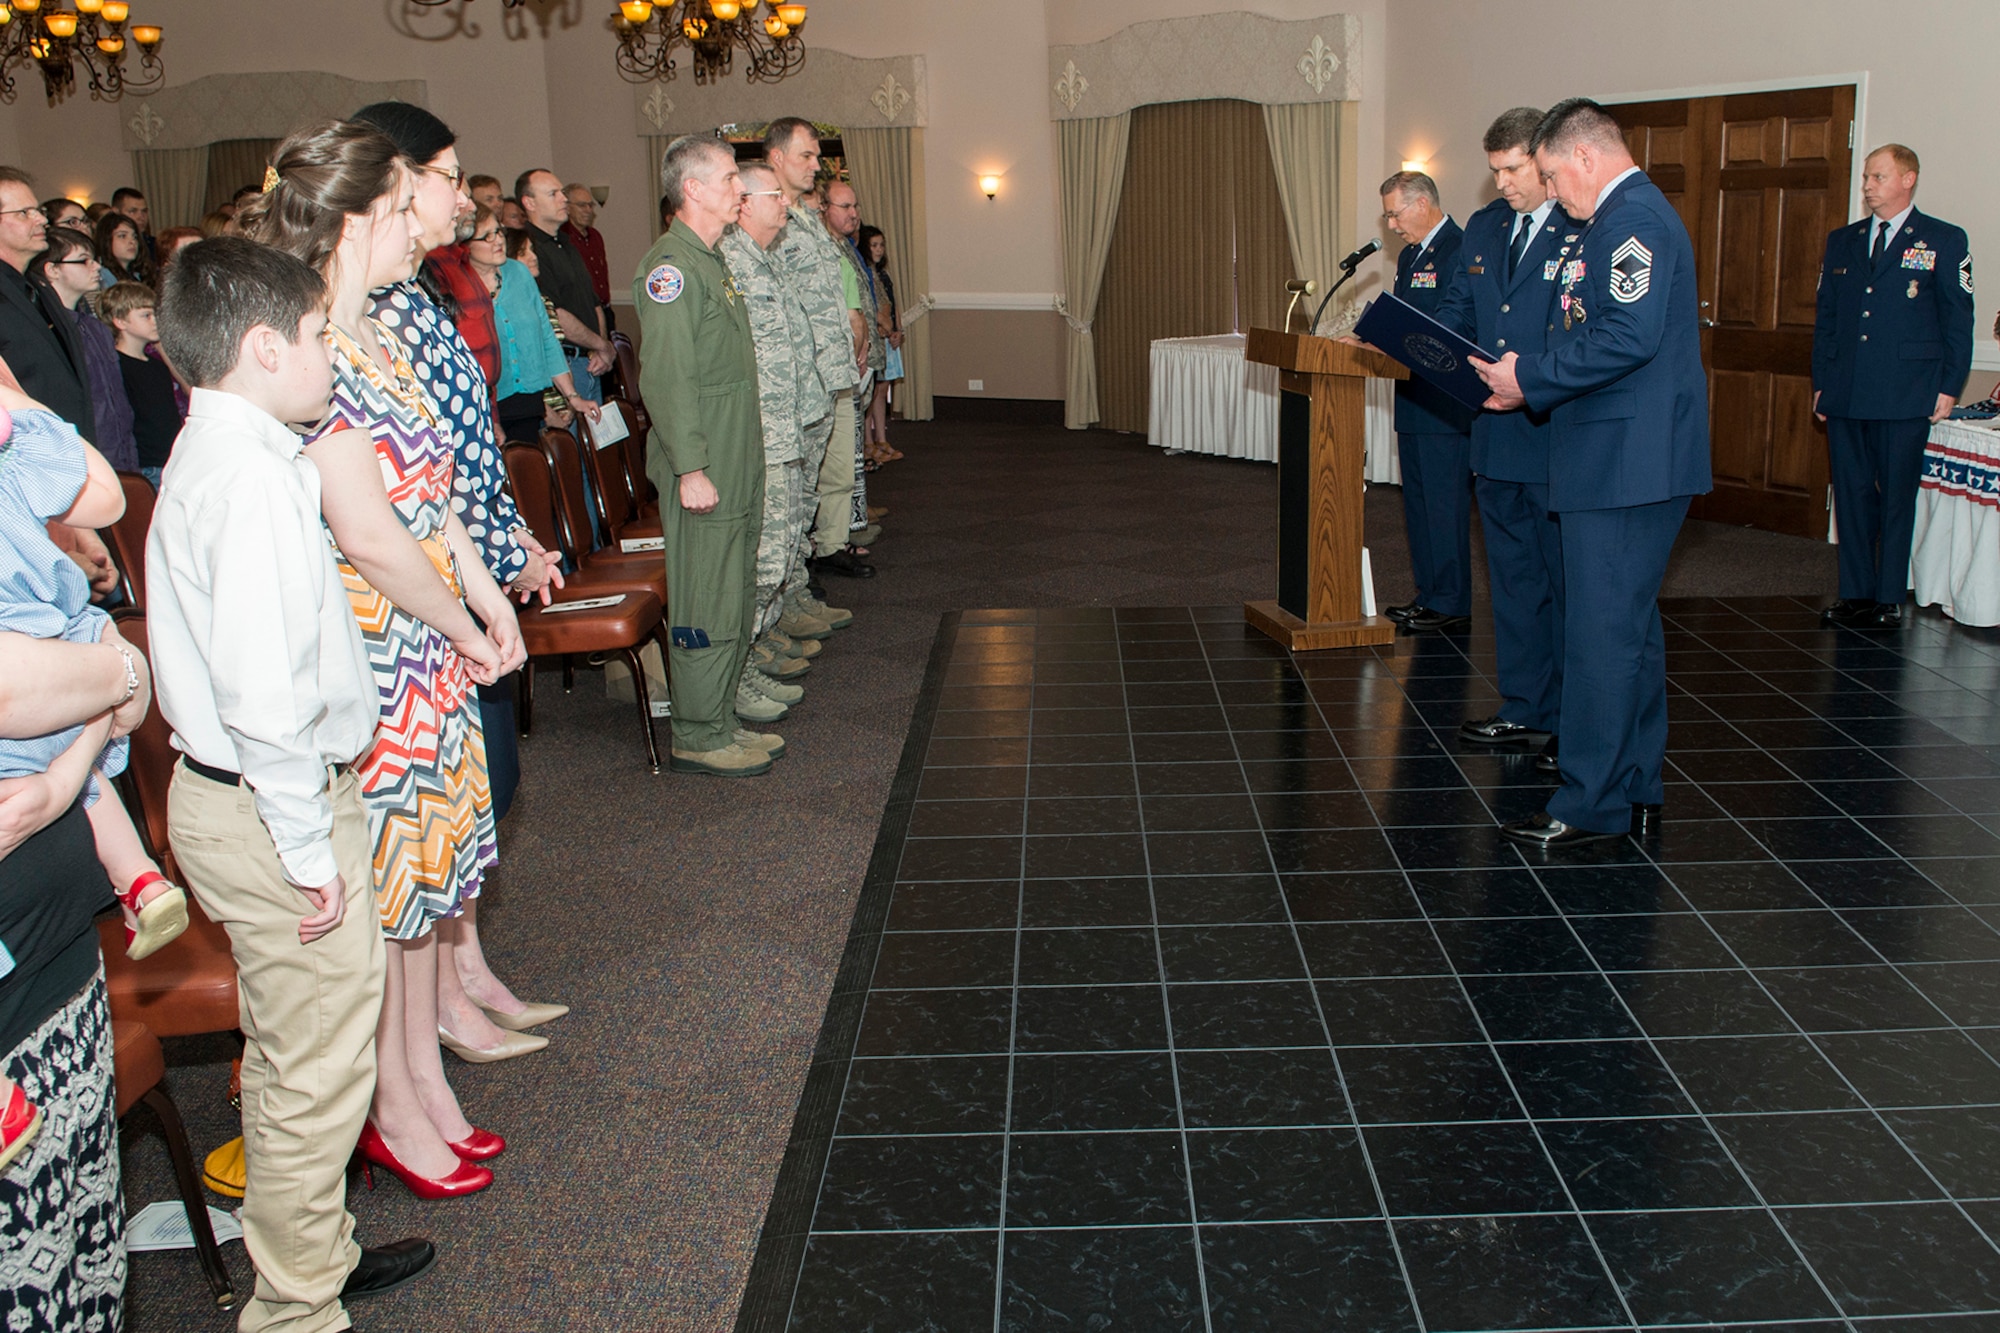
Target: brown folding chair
x,y
628,382
189,987
138,1068
531,476
127,537
617,499
638,569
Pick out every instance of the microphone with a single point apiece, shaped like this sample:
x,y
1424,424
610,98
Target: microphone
x,y
1347,266
1354,259
1303,286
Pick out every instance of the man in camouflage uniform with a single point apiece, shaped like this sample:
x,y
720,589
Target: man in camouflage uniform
x,y
812,258
698,368
843,220
789,394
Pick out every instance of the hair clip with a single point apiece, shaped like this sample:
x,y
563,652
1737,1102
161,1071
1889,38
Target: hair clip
x,y
270,179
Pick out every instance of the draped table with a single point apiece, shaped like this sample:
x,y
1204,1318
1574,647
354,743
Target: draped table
x,y
1955,554
1207,399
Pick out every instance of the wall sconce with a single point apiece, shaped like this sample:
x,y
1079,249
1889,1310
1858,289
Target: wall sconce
x,y
990,186
1415,164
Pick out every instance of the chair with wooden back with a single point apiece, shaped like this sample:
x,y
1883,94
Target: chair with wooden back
x,y
138,1070
617,506
127,537
637,569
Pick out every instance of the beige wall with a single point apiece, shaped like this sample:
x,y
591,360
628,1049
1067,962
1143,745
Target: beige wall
x,y
1014,353
1454,64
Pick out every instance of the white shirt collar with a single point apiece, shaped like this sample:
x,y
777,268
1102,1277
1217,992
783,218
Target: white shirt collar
x,y
1895,223
226,408
1536,217
1431,235
1611,185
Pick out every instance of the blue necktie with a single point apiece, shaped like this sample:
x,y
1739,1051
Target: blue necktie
x,y
1881,243
1520,245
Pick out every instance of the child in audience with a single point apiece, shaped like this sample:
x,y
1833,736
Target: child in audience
x,y
260,668
128,307
47,472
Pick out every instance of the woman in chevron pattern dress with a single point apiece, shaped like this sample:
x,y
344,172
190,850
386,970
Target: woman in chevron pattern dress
x,y
339,198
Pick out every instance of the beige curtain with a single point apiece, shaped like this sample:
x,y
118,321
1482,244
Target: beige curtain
x,y
233,164
1092,175
888,171
175,183
1313,156
656,148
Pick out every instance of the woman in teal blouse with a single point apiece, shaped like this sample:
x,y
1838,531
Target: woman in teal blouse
x,y
531,359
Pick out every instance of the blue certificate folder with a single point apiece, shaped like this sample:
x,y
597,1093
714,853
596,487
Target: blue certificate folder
x,y
1427,347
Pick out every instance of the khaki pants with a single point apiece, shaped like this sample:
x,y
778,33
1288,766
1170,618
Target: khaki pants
x,y
308,1013
836,478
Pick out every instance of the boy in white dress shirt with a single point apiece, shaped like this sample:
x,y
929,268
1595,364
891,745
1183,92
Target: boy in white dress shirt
x,y
259,667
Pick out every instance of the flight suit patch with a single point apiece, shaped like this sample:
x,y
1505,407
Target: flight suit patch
x,y
665,284
1631,271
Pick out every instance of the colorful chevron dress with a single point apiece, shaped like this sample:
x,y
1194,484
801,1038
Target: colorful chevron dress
x,y
424,781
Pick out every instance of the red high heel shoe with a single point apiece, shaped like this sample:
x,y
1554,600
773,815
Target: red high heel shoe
x,y
481,1145
467,1179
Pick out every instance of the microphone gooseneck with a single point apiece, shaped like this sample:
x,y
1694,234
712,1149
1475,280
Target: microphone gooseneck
x,y
1348,266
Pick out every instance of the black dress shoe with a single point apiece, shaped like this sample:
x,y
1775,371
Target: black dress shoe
x,y
1540,830
1403,612
846,563
1847,611
1646,817
1425,618
1547,761
387,1267
1497,730
1884,616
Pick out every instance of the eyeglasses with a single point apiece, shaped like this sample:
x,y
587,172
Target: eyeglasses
x,y
495,235
1395,213
452,174
81,259
22,212
753,194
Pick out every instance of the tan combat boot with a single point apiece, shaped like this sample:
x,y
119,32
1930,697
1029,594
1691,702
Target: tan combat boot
x,y
835,617
758,742
731,761
752,704
803,626
773,689
767,659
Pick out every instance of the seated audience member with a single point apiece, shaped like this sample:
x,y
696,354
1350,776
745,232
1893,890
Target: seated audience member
x,y
263,675
38,339
121,251
531,359
62,212
69,268
172,239
129,309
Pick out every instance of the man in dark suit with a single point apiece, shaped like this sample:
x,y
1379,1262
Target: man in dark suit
x,y
1892,345
38,338
1499,297
1431,426
1622,382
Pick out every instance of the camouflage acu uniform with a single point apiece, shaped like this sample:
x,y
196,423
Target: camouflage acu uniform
x,y
810,257
789,396
878,360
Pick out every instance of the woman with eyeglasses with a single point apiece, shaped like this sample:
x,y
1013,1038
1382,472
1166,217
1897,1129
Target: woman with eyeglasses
x,y
121,251
531,359
69,267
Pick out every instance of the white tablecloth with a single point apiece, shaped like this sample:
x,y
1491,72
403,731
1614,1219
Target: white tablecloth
x,y
1206,399
1955,554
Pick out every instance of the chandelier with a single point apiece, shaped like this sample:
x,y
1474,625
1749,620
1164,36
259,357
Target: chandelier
x,y
94,37
713,32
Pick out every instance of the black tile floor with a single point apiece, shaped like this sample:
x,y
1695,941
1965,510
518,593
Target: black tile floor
x,y
1192,988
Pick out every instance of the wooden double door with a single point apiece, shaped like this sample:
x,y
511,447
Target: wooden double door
x,y
1759,180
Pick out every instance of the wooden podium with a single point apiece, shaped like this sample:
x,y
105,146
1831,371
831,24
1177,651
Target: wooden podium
x,y
1321,433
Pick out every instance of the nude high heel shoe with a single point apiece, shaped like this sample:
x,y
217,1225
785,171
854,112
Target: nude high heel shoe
x,y
531,1015
515,1043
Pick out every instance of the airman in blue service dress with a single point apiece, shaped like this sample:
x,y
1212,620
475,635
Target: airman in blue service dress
x,y
1499,296
1893,331
1434,450
1622,383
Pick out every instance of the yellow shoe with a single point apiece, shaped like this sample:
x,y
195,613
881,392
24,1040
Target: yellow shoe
x,y
224,1171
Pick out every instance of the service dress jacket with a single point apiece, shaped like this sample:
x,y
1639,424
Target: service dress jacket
x,y
1422,274
1889,337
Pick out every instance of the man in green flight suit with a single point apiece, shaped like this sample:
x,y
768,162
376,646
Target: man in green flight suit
x,y
698,370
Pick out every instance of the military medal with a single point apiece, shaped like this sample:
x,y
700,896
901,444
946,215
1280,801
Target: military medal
x,y
1913,289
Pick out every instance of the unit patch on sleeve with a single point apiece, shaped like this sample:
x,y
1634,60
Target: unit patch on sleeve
x,y
664,284
1631,271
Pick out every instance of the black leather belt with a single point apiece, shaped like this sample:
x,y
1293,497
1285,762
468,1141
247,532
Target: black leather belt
x,y
223,775
571,349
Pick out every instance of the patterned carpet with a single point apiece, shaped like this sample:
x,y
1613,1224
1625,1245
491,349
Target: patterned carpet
x,y
695,925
